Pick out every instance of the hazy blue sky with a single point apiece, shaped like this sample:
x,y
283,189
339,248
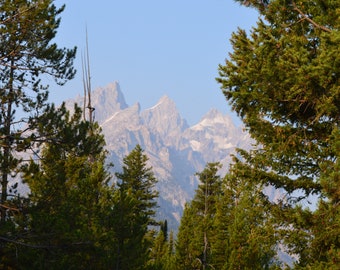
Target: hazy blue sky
x,y
154,48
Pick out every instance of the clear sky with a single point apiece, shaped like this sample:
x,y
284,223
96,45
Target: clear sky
x,y
154,48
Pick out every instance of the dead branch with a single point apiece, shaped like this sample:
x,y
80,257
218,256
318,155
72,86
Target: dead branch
x,y
9,208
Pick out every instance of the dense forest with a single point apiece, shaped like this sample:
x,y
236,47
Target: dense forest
x,y
282,79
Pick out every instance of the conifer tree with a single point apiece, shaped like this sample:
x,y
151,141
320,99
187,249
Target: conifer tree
x,y
196,232
136,210
162,251
68,202
283,81
159,250
244,229
170,262
187,248
27,28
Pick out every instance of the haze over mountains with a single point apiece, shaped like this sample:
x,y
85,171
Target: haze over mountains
x,y
176,150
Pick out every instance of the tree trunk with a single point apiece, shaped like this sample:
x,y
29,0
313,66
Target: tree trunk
x,y
5,168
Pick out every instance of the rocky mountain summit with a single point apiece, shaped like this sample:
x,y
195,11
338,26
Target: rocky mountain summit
x,y
176,150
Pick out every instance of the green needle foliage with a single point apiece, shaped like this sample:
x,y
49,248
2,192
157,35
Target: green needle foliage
x,y
136,211
162,251
227,225
193,248
244,229
27,56
283,81
68,202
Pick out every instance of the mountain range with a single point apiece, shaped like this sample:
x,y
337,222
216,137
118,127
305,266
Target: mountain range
x,y
176,151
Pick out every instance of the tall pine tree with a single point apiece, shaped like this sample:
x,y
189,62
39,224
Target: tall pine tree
x,y
193,249
244,229
283,80
27,28
136,210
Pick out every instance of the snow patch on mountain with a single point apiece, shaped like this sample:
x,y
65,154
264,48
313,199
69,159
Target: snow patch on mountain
x,y
176,151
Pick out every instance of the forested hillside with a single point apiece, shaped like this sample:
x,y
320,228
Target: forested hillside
x,y
282,79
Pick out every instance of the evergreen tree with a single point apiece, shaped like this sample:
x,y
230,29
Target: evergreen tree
x,y
187,247
318,229
158,252
68,197
164,229
27,28
162,251
136,210
196,232
244,237
170,262
283,80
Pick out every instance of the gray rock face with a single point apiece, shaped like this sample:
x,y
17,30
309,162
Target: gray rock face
x,y
106,101
176,151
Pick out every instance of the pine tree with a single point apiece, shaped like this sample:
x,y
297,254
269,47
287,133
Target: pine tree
x,y
67,199
136,208
162,251
283,80
196,230
27,28
164,229
187,248
170,260
158,254
318,229
244,229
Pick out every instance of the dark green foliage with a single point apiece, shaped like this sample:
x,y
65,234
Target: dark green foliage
x,y
244,237
69,197
164,229
187,247
319,229
27,28
284,85
162,255
158,252
193,248
283,80
136,210
227,225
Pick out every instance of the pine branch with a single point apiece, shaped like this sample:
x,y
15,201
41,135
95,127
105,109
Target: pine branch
x,y
9,208
310,20
5,239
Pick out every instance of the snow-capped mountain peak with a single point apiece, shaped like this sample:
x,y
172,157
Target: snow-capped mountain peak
x,y
176,151
165,120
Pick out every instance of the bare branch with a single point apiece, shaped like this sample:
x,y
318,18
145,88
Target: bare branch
x,y
87,82
9,208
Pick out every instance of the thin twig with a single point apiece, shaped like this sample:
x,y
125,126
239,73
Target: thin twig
x,y
9,208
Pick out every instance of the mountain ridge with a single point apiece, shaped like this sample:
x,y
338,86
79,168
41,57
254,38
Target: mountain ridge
x,y
176,150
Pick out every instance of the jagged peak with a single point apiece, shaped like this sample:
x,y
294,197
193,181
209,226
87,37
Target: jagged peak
x,y
164,102
213,113
135,107
164,117
110,93
213,117
126,113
